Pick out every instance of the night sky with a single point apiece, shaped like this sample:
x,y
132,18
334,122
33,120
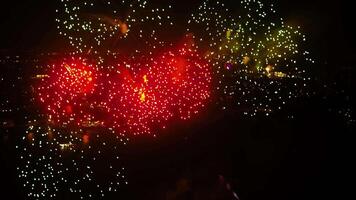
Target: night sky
x,y
29,25
259,157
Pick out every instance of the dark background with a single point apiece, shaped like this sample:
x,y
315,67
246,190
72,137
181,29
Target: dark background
x,y
262,158
29,26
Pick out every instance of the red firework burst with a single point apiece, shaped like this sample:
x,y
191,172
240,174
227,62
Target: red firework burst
x,y
142,95
67,90
175,84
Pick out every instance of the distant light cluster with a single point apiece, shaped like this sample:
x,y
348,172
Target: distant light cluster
x,y
102,26
259,63
58,161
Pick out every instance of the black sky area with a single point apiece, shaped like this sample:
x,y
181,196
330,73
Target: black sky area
x,y
30,26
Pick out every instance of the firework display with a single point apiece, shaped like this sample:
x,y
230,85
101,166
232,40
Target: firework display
x,y
259,63
53,161
67,92
136,95
123,76
105,26
150,92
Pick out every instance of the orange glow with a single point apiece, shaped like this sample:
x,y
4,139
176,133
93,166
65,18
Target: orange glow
x,y
143,97
123,27
85,139
30,137
246,60
145,80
